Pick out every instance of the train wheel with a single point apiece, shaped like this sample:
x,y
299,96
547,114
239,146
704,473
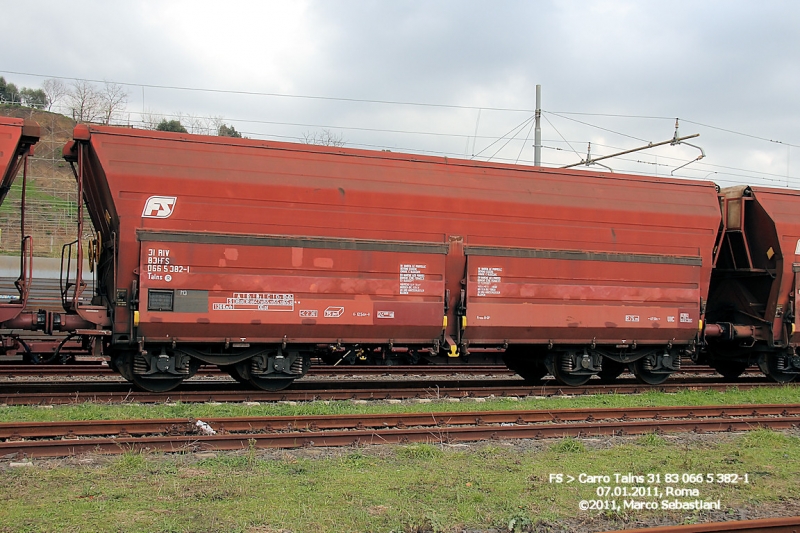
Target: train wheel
x,y
773,366
233,370
242,369
532,373
270,384
527,363
641,369
119,363
151,384
730,370
562,362
611,370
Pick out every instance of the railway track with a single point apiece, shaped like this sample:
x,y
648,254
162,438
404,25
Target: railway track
x,y
98,369
765,525
84,370
219,391
56,439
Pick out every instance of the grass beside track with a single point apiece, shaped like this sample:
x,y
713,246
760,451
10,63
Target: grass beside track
x,y
97,411
413,488
410,488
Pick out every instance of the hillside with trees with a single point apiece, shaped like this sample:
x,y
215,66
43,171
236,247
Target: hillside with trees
x,y
51,200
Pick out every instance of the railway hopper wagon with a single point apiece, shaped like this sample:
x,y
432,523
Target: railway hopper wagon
x,y
17,138
256,255
751,314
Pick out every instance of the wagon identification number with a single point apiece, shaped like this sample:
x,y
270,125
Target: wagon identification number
x,y
256,301
159,262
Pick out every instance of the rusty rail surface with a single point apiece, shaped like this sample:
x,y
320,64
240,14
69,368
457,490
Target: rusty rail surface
x,y
64,439
16,394
97,369
765,525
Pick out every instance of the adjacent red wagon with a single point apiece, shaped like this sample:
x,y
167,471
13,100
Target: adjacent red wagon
x,y
754,287
254,255
17,137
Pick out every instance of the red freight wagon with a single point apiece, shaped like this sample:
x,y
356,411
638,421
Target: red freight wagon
x,y
253,255
751,313
17,137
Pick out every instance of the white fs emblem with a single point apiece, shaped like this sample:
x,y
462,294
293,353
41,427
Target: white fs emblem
x,y
159,206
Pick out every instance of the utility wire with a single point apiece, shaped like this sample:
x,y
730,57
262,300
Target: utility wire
x,y
510,139
276,95
559,134
740,133
521,124
595,126
527,136
610,115
399,102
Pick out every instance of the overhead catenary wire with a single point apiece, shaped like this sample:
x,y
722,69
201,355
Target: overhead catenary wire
x,y
400,102
753,174
567,115
518,126
275,95
559,134
595,126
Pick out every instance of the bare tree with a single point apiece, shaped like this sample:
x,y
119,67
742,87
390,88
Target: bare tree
x,y
215,123
150,119
113,100
196,124
55,90
324,138
84,101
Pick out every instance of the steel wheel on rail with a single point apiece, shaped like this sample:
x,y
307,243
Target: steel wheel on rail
x,y
270,384
643,370
146,382
730,370
532,373
775,366
527,362
563,364
611,370
156,384
117,364
233,371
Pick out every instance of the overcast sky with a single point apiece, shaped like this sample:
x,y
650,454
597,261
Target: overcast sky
x,y
613,73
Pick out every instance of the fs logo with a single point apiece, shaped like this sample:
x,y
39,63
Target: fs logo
x,y
159,206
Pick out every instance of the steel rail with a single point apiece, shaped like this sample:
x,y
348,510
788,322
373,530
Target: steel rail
x,y
477,430
76,370
83,370
81,428
430,391
764,525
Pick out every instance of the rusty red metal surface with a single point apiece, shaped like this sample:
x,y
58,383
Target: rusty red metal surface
x,y
17,137
782,207
751,311
268,242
